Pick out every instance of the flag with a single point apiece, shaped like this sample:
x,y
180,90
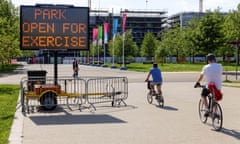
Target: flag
x,y
115,25
124,22
100,35
105,33
95,36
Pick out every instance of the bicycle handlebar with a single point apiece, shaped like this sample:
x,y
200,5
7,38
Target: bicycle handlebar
x,y
198,85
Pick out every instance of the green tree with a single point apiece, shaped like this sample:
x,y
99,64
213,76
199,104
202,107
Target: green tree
x,y
149,45
205,35
232,34
191,38
161,52
232,25
210,37
173,42
130,47
9,32
231,30
117,46
93,49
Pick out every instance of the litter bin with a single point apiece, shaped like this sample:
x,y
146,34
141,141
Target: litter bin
x,y
36,77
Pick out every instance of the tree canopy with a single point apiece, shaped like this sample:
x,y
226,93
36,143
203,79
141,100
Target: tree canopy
x,y
9,31
208,34
149,45
130,47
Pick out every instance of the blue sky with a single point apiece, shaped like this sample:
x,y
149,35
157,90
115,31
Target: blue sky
x,y
171,6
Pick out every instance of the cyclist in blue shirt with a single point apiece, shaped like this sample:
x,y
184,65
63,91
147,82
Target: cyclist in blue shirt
x,y
156,74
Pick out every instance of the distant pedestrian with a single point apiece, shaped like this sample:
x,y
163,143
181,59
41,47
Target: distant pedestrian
x,y
75,67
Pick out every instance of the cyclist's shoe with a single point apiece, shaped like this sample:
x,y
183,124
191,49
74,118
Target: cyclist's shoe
x,y
161,98
206,114
216,116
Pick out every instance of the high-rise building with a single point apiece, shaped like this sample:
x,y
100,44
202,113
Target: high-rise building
x,y
139,22
200,6
183,18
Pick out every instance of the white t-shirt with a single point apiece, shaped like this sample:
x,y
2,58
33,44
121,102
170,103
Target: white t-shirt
x,y
213,73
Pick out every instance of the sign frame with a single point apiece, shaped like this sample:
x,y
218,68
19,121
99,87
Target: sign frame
x,y
54,27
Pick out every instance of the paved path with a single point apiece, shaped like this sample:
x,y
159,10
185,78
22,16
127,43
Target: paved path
x,y
137,123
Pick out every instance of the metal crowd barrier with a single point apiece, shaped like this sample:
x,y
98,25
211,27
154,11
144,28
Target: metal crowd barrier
x,y
107,89
39,92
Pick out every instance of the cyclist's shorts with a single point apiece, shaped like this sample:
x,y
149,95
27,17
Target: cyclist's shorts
x,y
205,92
158,84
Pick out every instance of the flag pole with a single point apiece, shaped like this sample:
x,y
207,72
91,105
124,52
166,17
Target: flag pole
x,y
94,44
114,31
105,42
123,38
104,64
93,56
113,65
123,63
99,41
98,54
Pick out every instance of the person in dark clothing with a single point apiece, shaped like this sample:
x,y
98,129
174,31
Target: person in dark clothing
x,y
75,67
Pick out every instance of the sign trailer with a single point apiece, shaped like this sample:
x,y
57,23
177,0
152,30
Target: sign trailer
x,y
54,27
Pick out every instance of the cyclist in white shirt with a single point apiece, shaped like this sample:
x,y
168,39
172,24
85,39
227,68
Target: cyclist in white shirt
x,y
212,72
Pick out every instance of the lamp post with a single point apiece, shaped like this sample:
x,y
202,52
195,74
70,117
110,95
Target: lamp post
x,y
237,43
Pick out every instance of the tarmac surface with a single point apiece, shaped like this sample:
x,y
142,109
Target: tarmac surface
x,y
137,123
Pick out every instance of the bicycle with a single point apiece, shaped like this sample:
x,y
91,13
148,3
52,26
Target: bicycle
x,y
214,109
152,93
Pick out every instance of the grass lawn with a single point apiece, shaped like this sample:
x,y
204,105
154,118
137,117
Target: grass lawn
x,y
8,68
8,101
169,67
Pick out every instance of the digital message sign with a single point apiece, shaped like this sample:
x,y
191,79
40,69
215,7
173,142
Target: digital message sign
x,y
54,27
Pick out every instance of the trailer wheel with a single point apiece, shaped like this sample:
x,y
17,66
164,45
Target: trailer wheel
x,y
48,101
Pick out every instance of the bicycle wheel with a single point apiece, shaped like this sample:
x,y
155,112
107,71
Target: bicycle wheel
x,y
160,100
149,97
217,117
48,101
202,110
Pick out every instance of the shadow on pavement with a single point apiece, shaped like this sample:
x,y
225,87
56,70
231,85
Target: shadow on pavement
x,y
110,109
169,108
75,119
233,133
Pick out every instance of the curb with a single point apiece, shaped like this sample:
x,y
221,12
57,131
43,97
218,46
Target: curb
x,y
16,132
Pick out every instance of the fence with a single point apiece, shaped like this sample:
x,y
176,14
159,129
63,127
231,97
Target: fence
x,y
69,91
110,89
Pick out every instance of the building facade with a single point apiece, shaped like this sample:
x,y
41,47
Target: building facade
x,y
183,18
138,21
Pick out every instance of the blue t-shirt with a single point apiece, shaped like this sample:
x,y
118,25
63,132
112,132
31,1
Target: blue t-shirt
x,y
156,75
